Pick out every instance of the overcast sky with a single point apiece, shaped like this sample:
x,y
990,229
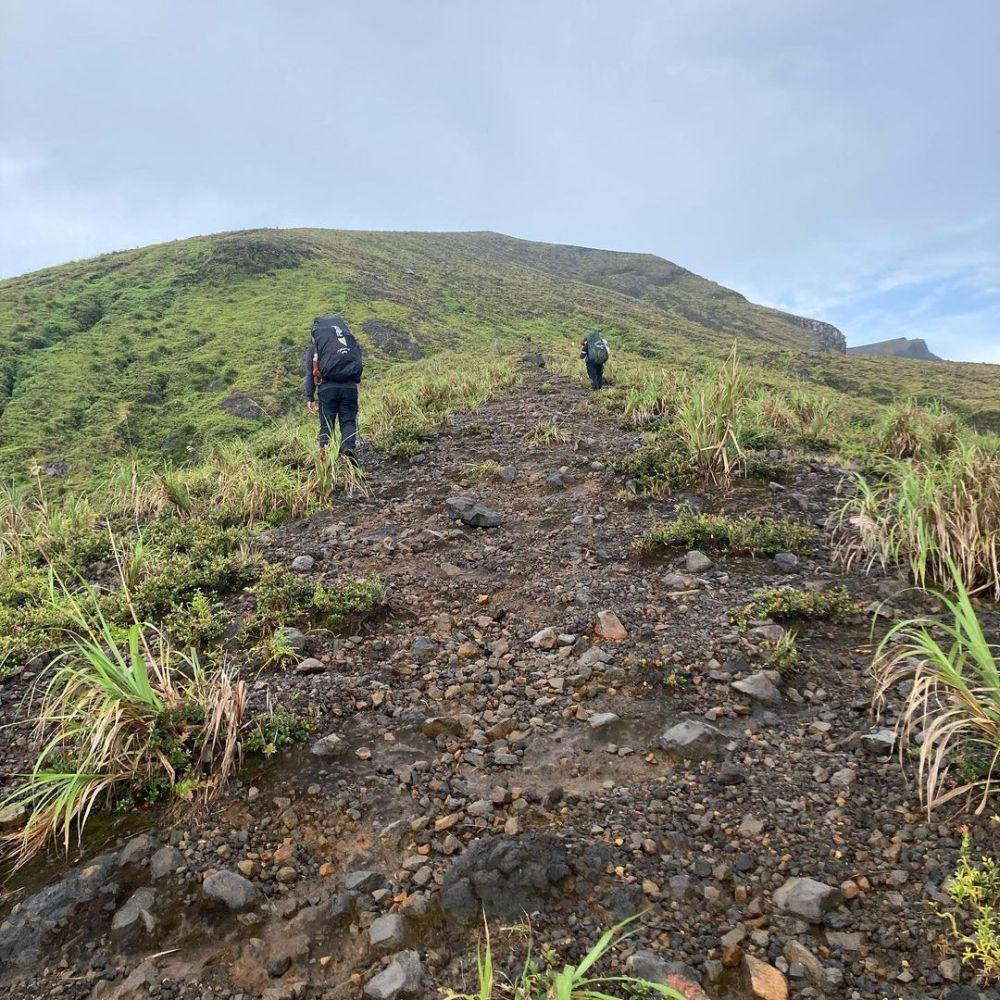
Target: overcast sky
x,y
840,159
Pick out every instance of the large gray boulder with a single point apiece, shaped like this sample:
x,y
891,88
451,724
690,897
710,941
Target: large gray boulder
x,y
693,740
400,978
759,687
135,917
232,890
387,933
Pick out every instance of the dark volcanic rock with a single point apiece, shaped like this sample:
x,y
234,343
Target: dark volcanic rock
x,y
504,876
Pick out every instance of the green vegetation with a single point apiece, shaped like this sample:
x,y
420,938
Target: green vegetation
x,y
788,604
783,655
911,430
181,537
122,715
550,977
172,350
953,696
930,515
975,889
741,535
546,434
278,728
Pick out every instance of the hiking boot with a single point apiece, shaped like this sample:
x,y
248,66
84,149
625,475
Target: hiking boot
x,y
352,458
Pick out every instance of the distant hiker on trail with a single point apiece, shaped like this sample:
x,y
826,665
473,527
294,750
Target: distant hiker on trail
x,y
595,352
333,371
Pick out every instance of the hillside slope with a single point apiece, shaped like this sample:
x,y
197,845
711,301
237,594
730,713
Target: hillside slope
x,y
900,347
163,350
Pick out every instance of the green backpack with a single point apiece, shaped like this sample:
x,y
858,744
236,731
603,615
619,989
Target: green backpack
x,y
598,351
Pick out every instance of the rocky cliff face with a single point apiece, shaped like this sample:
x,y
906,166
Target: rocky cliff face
x,y
828,337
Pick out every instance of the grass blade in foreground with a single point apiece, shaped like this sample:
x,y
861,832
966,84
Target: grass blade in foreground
x,y
562,981
954,700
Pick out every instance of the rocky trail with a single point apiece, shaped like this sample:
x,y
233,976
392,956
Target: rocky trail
x,y
539,723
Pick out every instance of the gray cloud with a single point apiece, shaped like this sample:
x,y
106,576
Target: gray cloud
x,y
834,157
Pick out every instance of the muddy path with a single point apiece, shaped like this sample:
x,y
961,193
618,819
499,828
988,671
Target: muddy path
x,y
476,766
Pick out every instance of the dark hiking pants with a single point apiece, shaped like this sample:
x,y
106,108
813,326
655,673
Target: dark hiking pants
x,y
596,373
338,403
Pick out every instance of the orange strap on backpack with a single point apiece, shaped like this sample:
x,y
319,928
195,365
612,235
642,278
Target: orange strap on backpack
x,y
317,374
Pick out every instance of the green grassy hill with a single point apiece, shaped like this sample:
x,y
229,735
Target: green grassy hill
x,y
161,350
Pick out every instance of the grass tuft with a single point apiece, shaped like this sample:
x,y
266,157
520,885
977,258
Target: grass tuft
x,y
121,712
930,516
952,675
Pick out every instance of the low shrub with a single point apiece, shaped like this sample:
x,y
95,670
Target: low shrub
x,y
742,535
546,434
975,890
783,655
788,604
660,467
282,597
278,728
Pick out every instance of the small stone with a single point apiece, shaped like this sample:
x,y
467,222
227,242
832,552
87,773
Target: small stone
x,y
797,953
758,687
479,516
135,917
547,638
806,898
457,506
303,564
165,862
601,720
330,745
387,933
786,560
766,982
697,562
692,740
843,778
951,969
310,665
422,649
609,627
879,742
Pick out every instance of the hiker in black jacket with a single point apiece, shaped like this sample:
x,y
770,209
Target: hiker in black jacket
x,y
333,370
595,352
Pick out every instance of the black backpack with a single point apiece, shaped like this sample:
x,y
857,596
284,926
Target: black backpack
x,y
336,352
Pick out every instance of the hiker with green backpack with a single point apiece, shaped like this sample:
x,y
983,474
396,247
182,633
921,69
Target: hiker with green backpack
x,y
595,352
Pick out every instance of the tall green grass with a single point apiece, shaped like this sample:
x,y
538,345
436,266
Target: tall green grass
x,y
120,711
910,429
929,516
952,682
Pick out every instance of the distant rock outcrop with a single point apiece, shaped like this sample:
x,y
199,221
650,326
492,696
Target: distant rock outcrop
x,y
900,347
